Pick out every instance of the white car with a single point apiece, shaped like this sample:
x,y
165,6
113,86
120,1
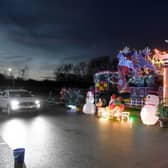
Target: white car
x,y
18,100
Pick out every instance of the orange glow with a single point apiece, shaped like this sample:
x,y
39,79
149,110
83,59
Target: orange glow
x,y
165,85
163,56
106,113
127,124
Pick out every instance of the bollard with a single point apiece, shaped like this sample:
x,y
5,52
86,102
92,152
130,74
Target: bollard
x,y
19,154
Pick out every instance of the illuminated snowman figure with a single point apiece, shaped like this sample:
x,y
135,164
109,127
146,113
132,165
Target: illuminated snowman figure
x,y
89,107
149,110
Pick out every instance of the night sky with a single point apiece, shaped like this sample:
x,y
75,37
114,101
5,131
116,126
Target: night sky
x,y
41,34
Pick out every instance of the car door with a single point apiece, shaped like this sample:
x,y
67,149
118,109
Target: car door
x,y
4,99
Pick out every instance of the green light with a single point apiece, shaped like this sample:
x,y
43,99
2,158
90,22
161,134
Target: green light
x,y
131,119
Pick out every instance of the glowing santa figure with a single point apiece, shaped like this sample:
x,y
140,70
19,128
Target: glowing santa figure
x,y
89,107
149,110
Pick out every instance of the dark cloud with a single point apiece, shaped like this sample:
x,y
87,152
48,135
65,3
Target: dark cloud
x,y
41,31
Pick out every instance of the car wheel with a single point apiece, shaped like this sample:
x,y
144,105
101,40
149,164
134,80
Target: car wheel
x,y
4,110
37,111
9,110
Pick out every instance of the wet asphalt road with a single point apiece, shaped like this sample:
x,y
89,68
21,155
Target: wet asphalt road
x,y
55,138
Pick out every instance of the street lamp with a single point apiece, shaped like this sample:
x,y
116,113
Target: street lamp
x,y
12,77
10,70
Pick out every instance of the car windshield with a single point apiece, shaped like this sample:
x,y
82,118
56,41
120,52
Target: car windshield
x,y
19,94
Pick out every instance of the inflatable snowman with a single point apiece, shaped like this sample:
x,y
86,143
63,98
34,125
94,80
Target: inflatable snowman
x,y
149,110
89,107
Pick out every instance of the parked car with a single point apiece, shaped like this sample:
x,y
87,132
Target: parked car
x,y
18,100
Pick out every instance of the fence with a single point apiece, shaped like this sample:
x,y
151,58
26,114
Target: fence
x,y
137,95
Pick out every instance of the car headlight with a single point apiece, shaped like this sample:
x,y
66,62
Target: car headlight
x,y
14,104
37,102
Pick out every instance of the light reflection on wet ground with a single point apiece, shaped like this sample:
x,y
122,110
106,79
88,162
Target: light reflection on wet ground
x,y
55,139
